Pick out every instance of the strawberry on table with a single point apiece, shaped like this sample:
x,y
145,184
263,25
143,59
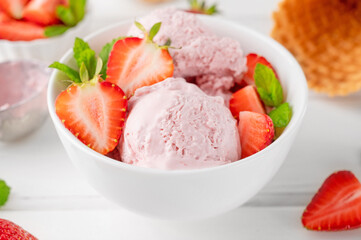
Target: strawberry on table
x,y
10,230
135,62
256,132
246,99
20,31
42,11
252,60
13,8
337,204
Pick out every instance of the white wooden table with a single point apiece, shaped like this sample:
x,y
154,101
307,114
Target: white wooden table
x,y
51,199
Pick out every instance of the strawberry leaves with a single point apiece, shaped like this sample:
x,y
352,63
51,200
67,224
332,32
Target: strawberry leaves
x,y
154,30
200,7
70,16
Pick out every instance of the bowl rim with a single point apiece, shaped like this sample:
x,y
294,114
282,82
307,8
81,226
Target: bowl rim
x,y
39,64
292,126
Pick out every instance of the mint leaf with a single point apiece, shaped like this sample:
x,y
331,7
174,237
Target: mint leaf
x,y
84,54
281,116
66,15
154,30
268,87
71,73
78,9
55,30
104,55
4,192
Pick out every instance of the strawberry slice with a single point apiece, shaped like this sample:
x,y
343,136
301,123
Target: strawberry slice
x,y
94,112
13,8
42,12
246,99
135,62
337,204
20,31
4,17
256,132
252,60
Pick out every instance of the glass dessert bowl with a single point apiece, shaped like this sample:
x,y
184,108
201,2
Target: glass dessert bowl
x,y
195,193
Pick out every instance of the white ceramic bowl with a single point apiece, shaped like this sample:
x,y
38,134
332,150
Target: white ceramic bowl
x,y
46,50
189,194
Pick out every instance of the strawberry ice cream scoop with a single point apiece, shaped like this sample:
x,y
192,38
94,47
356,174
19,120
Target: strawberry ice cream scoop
x,y
215,62
174,125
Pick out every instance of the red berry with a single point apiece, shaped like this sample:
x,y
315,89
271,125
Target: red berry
x,y
256,132
42,11
246,99
13,8
136,62
20,31
337,204
9,231
94,113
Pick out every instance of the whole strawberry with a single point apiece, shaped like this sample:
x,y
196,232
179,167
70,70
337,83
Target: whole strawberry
x,y
9,231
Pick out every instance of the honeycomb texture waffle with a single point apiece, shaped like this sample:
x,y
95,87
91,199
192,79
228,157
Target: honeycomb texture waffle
x,y
325,38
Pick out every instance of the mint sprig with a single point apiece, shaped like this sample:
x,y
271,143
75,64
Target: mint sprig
x,y
71,73
84,54
89,66
281,115
69,15
271,94
268,86
4,192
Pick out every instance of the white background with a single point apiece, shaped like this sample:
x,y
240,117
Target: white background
x,y
51,200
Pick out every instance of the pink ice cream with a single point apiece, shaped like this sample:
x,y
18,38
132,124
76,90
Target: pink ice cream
x,y
214,63
174,125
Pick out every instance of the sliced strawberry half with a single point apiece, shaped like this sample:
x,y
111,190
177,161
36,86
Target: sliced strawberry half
x,y
94,112
20,31
252,60
13,8
256,132
42,12
135,62
337,204
246,99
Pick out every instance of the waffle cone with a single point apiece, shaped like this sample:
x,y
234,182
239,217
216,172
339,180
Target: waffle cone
x,y
325,38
